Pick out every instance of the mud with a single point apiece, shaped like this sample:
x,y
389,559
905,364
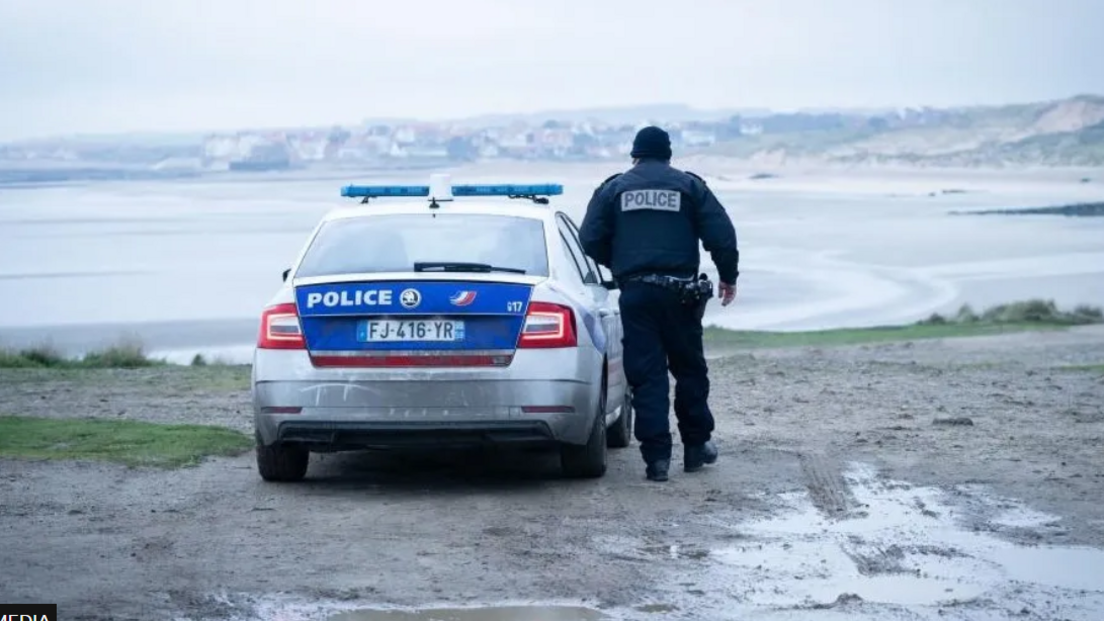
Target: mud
x,y
838,496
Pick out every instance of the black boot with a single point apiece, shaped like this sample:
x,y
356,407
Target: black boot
x,y
657,470
695,457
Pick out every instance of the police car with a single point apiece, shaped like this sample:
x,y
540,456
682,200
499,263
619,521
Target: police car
x,y
441,315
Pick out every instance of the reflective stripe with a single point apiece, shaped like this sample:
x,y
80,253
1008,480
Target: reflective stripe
x,y
410,359
406,352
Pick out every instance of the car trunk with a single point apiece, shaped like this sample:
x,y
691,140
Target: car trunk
x,y
447,321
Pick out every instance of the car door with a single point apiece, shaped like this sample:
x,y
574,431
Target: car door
x,y
577,280
606,301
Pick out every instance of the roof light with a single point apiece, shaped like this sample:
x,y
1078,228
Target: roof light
x,y
441,190
377,191
546,189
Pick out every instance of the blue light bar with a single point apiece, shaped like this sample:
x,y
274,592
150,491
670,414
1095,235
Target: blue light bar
x,y
374,191
380,191
545,189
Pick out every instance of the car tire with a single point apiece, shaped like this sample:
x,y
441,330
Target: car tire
x,y
282,463
588,461
621,433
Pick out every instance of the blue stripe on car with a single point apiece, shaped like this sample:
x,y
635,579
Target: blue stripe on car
x,y
335,315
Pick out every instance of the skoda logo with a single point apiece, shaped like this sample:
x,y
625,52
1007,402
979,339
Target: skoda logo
x,y
410,298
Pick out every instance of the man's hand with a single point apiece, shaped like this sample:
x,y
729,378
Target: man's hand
x,y
728,293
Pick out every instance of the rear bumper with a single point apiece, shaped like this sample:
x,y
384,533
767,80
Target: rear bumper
x,y
350,435
543,396
366,414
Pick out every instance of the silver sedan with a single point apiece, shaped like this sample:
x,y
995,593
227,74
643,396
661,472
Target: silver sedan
x,y
441,315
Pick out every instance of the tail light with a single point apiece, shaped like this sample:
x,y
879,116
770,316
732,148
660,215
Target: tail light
x,y
280,328
548,325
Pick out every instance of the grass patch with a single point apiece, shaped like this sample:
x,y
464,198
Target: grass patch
x,y
1083,368
215,378
858,336
169,379
132,443
199,360
127,355
1028,312
1030,315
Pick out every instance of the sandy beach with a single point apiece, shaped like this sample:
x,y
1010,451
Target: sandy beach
x,y
186,266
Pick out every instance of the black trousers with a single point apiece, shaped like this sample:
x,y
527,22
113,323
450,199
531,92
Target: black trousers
x,y
662,334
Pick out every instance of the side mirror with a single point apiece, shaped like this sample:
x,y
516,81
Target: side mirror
x,y
286,272
610,285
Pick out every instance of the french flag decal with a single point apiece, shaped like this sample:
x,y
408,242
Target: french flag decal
x,y
462,298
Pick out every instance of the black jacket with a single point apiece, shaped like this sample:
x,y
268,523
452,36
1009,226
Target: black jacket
x,y
649,219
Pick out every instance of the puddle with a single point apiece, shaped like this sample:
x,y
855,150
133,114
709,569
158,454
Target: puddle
x,y
899,553
1065,568
294,607
502,613
1023,517
908,547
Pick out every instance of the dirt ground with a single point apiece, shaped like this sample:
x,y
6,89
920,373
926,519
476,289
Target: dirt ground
x,y
957,479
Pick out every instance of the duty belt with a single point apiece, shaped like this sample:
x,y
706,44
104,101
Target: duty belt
x,y
690,290
671,282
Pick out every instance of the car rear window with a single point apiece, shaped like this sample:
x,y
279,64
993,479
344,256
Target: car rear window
x,y
393,243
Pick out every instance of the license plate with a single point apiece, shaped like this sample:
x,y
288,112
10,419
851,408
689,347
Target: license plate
x,y
410,330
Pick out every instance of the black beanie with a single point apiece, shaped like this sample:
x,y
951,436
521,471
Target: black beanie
x,y
651,143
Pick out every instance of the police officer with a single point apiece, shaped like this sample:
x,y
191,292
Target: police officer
x,y
644,225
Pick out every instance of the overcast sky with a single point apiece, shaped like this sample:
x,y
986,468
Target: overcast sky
x,y
129,65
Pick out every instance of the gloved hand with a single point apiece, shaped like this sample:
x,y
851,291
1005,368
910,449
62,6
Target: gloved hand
x,y
728,293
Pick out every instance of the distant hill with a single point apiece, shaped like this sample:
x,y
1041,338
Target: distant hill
x,y
1068,132
1060,133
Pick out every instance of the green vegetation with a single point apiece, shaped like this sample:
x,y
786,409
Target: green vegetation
x,y
168,380
1083,368
1015,317
857,336
213,378
1030,312
132,443
200,361
175,380
126,355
